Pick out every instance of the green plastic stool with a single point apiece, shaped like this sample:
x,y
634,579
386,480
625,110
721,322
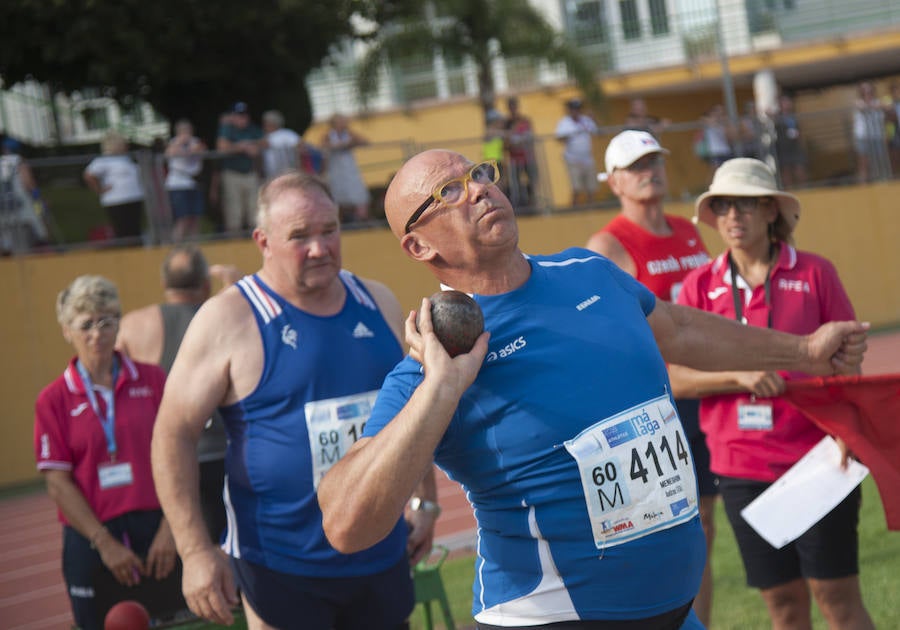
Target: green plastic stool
x,y
429,586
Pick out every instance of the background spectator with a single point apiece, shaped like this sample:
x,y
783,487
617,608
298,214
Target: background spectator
x,y
712,143
639,119
344,178
576,130
522,162
893,117
868,135
153,334
312,159
92,434
116,178
281,146
239,138
789,151
21,227
750,132
494,143
184,156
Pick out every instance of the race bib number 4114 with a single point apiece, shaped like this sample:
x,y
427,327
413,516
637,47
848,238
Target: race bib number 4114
x,y
637,472
334,425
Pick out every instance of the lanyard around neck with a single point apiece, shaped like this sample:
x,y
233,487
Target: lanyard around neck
x,y
108,420
736,293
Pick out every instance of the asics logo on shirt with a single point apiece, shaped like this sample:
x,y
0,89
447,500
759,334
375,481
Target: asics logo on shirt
x,y
77,410
591,300
361,331
289,337
513,346
712,295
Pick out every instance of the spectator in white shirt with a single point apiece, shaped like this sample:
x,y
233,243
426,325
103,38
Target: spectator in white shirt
x,y
115,177
281,146
184,155
576,131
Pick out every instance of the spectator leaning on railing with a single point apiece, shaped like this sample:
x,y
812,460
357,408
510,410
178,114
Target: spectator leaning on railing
x,y
184,155
116,178
239,138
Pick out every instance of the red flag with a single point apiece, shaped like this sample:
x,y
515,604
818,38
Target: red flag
x,y
864,411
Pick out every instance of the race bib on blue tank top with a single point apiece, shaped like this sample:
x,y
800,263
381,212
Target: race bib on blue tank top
x,y
334,425
637,472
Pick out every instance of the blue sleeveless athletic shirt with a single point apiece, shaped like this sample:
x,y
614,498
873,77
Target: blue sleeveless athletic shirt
x,y
274,518
568,349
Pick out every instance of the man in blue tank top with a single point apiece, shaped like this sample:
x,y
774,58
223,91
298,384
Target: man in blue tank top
x,y
559,423
293,357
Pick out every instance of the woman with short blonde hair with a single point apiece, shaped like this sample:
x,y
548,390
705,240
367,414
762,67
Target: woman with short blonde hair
x,y
92,434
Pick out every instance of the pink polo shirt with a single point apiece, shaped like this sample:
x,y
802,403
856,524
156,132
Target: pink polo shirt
x,y
805,293
68,435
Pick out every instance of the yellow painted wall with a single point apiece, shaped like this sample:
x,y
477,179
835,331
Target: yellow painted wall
x,y
858,228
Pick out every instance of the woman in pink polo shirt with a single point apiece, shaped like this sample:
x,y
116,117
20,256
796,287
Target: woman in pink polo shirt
x,y
753,435
92,434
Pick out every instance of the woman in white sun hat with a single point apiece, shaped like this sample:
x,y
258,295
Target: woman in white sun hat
x,y
753,435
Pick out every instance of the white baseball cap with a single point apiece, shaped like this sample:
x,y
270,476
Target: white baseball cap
x,y
628,147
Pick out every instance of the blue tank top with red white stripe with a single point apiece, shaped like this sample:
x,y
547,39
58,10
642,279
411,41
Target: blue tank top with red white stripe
x,y
320,377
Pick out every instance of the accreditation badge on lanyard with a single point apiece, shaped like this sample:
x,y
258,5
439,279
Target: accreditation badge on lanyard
x,y
111,474
752,416
755,416
637,472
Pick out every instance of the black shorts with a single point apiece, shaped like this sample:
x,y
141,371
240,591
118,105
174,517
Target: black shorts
x,y
371,602
672,620
828,550
92,588
689,413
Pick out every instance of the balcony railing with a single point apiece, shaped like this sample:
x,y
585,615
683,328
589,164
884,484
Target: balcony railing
x,y
76,220
643,41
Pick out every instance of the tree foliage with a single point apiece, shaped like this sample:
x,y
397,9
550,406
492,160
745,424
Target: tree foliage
x,y
481,30
187,58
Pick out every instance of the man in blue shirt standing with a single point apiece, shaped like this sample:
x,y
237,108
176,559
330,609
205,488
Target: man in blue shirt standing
x,y
239,138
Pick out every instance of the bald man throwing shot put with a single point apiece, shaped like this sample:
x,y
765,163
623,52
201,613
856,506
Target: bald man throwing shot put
x,y
559,423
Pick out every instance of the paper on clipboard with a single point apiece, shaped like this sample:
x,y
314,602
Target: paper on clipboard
x,y
804,494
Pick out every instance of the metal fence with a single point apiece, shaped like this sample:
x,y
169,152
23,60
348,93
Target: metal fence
x,y
74,218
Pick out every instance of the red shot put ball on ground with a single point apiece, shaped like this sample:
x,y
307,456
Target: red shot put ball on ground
x,y
457,321
127,615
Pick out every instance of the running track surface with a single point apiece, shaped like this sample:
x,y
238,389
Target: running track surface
x,y
32,593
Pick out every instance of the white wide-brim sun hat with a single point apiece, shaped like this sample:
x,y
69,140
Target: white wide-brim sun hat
x,y
746,177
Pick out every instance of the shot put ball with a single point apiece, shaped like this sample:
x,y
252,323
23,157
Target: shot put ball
x,y
457,321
